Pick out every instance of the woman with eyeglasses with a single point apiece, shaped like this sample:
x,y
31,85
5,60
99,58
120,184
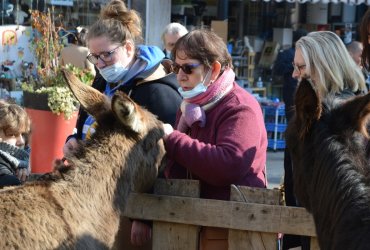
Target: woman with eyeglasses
x,y
323,57
137,70
219,137
134,69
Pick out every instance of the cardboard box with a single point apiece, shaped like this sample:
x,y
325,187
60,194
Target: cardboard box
x,y
220,28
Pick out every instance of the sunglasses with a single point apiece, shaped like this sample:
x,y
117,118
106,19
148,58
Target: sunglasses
x,y
104,56
186,68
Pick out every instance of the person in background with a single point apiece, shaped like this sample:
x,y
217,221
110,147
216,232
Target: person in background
x,y
170,35
77,51
136,70
355,49
209,142
322,57
14,159
365,40
283,67
317,58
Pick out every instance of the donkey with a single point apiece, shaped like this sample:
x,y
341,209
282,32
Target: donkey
x,y
328,140
82,209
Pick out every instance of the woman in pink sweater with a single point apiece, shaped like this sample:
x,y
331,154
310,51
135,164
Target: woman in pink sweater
x,y
219,137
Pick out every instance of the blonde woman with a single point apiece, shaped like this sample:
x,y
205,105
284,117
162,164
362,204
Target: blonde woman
x,y
323,57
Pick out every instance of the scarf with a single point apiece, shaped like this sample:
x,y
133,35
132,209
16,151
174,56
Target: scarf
x,y
193,109
14,157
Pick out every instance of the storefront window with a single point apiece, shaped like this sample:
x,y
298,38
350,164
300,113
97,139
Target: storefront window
x,y
72,13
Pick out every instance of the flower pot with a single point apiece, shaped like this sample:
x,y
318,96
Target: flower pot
x,y
49,132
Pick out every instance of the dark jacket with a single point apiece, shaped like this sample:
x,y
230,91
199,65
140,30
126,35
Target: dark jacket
x,y
159,96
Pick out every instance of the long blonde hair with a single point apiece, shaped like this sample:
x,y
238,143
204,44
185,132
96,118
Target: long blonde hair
x,y
329,64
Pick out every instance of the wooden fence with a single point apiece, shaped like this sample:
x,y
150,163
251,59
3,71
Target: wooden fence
x,y
253,216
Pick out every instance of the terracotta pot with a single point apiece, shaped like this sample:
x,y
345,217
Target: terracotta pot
x,y
49,132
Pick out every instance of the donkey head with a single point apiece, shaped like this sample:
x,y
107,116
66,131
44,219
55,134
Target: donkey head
x,y
129,133
322,135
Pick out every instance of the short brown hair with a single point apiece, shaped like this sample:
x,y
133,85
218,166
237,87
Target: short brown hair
x,y
13,118
205,46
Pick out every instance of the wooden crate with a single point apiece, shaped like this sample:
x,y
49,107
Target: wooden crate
x,y
253,216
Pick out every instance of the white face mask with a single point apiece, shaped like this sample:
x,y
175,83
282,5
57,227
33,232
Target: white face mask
x,y
168,53
197,90
114,72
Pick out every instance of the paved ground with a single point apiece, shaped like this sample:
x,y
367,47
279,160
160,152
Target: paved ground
x,y
275,168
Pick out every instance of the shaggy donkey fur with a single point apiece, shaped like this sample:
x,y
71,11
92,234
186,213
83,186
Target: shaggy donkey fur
x,y
328,141
82,209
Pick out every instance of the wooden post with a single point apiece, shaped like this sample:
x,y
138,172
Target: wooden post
x,y
166,235
248,239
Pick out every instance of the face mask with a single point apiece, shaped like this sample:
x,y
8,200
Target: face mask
x,y
113,73
197,90
168,54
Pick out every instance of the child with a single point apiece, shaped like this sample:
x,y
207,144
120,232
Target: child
x,y
14,160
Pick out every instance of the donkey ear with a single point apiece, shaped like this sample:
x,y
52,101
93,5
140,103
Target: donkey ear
x,y
94,102
358,111
308,107
127,111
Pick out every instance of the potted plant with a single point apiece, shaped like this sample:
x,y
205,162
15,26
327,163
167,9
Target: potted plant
x,y
46,97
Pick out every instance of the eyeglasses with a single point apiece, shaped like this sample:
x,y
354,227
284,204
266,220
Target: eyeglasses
x,y
104,56
187,68
298,68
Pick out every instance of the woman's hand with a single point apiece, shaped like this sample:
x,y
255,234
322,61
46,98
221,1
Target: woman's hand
x,y
140,233
69,145
22,174
168,129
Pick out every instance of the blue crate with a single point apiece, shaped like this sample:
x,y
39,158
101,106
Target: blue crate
x,y
276,144
280,127
274,110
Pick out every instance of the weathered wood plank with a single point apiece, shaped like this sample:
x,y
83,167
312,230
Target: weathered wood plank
x,y
255,195
314,245
170,236
177,187
216,213
248,239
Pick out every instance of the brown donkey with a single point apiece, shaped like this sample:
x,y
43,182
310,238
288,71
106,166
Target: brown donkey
x,y
329,143
82,209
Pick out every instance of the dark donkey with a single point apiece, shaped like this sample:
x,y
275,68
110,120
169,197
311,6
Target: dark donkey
x,y
328,141
82,209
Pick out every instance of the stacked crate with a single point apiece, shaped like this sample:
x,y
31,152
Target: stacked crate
x,y
275,123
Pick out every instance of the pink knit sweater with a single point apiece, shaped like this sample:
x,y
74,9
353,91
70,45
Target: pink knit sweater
x,y
230,149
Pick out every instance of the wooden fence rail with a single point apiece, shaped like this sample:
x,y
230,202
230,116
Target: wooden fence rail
x,y
253,216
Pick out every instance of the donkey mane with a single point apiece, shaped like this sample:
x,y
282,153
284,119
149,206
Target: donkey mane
x,y
78,206
328,143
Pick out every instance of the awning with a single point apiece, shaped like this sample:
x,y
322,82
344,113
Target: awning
x,y
350,2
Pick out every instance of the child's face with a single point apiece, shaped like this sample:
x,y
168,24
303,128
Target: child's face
x,y
15,139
